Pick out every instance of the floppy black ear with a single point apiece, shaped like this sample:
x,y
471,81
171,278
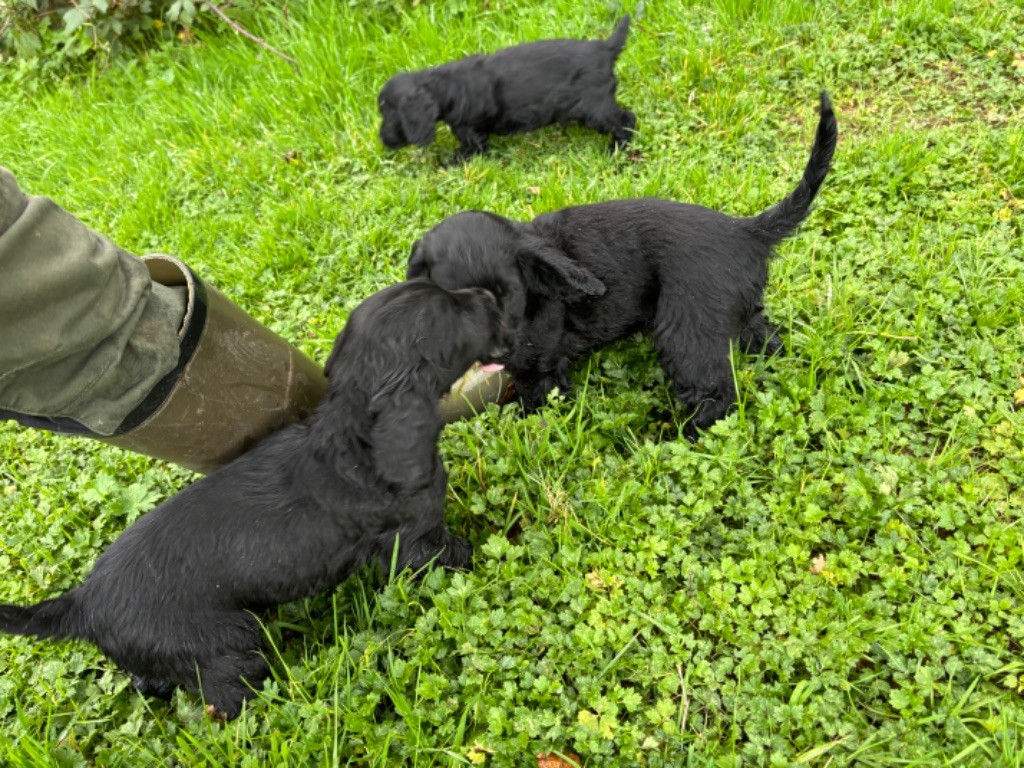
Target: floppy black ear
x,y
403,438
550,272
418,114
417,266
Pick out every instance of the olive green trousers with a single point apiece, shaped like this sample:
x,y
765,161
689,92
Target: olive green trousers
x,y
85,333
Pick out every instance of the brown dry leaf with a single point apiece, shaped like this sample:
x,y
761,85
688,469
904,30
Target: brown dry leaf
x,y
566,760
817,564
559,504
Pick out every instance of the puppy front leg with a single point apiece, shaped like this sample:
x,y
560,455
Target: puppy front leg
x,y
533,392
622,134
148,686
449,550
471,141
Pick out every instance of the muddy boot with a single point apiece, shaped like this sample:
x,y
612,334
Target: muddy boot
x,y
139,353
235,382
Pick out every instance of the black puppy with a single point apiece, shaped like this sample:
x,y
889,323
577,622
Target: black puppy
x,y
572,280
169,600
516,89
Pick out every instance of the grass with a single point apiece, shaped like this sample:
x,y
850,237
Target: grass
x,y
830,576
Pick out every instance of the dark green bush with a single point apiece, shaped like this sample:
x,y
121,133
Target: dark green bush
x,y
55,37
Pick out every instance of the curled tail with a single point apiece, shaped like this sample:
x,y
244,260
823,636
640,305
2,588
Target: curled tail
x,y
781,220
54,618
617,41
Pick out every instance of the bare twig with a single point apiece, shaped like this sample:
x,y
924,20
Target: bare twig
x,y
246,33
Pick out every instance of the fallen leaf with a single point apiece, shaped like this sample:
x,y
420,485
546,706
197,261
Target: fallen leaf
x,y
478,753
561,760
597,581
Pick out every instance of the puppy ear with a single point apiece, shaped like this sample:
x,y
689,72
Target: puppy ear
x,y
550,272
403,437
417,266
418,113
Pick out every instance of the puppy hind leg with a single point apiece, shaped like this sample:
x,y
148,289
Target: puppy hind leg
x,y
694,351
228,680
760,337
158,689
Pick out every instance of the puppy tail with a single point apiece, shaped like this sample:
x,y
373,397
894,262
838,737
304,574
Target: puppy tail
x,y
617,41
780,221
54,618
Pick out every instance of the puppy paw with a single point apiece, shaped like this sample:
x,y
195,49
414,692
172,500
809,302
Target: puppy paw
x,y
457,554
148,686
227,704
221,715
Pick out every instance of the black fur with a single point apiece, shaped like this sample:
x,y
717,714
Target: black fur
x,y
169,600
516,89
572,280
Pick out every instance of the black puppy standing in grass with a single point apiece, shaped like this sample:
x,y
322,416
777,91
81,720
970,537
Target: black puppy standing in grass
x,y
169,600
513,90
572,280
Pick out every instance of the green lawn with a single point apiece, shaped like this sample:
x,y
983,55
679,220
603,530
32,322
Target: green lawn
x,y
830,576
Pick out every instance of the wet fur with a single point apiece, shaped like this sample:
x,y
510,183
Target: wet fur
x,y
572,280
170,600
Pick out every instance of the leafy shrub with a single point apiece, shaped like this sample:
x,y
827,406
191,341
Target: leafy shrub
x,y
53,37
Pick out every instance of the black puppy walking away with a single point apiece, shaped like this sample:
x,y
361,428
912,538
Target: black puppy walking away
x,y
169,600
513,90
572,280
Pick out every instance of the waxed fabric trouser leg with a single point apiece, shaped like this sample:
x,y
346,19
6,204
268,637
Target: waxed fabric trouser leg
x,y
85,334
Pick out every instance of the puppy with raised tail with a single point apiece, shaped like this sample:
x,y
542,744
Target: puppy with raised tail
x,y
572,280
513,90
358,480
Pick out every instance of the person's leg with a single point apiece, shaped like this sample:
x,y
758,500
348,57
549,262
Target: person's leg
x,y
136,352
141,353
86,333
